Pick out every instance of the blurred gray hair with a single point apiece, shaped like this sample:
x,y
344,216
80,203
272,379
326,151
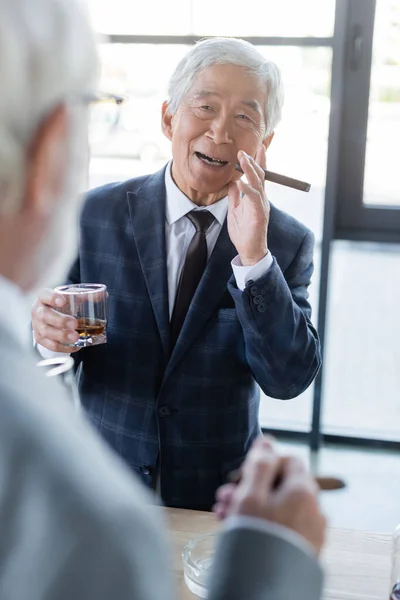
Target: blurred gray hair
x,y
233,51
47,57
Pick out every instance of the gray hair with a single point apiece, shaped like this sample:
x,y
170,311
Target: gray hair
x,y
47,57
220,51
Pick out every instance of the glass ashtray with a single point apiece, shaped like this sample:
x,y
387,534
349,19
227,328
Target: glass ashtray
x,y
197,558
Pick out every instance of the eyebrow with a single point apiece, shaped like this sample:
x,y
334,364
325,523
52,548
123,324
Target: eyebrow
x,y
252,104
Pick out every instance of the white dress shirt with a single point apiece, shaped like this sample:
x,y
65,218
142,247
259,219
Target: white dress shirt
x,y
179,232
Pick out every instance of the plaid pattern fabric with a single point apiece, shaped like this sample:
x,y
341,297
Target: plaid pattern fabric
x,y
194,410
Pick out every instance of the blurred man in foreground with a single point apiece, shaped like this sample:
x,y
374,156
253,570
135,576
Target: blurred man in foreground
x,y
74,522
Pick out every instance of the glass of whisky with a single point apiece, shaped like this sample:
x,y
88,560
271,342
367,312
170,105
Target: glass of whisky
x,y
86,302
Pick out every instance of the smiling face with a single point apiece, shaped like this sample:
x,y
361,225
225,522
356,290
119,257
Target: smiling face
x,y
222,113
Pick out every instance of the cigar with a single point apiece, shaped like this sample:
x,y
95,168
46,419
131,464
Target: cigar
x,y
324,483
296,184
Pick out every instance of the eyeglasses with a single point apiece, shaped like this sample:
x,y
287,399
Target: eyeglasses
x,y
104,98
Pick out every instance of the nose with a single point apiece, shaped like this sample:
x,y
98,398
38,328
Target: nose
x,y
220,130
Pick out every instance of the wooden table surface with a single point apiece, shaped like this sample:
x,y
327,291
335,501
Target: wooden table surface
x,y
357,563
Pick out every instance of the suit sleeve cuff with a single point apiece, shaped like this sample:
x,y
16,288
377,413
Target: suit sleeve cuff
x,y
247,522
244,274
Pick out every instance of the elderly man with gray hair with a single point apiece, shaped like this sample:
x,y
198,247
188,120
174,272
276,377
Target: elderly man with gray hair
x,y
207,285
74,522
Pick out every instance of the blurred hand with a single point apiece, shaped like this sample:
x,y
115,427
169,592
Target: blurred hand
x,y
51,327
248,210
292,502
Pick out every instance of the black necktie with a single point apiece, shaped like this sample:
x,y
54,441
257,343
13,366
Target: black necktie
x,y
193,268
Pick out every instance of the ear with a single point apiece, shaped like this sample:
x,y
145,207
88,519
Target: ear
x,y
47,157
268,140
166,121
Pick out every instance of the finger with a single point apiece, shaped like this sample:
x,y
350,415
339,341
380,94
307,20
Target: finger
x,y
57,347
261,156
292,465
51,298
259,187
259,470
294,476
246,190
261,178
233,196
294,470
265,441
254,174
220,510
224,493
224,497
51,317
258,169
43,331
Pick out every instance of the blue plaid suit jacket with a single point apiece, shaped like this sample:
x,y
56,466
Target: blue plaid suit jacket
x,y
194,410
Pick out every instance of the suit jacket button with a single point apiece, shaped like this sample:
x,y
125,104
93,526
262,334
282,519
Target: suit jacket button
x,y
258,299
164,411
262,307
145,470
254,290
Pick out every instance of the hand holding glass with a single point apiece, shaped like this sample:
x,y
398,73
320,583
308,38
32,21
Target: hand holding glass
x,y
86,302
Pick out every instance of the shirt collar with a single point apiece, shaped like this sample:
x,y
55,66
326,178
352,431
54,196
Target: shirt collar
x,y
178,205
14,312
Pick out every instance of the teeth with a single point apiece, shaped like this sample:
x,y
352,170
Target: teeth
x,y
212,160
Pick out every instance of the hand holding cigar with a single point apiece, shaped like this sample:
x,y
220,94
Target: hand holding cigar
x,y
277,489
296,184
324,483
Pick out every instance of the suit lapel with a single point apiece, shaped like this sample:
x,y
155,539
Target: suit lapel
x,y
147,214
209,292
